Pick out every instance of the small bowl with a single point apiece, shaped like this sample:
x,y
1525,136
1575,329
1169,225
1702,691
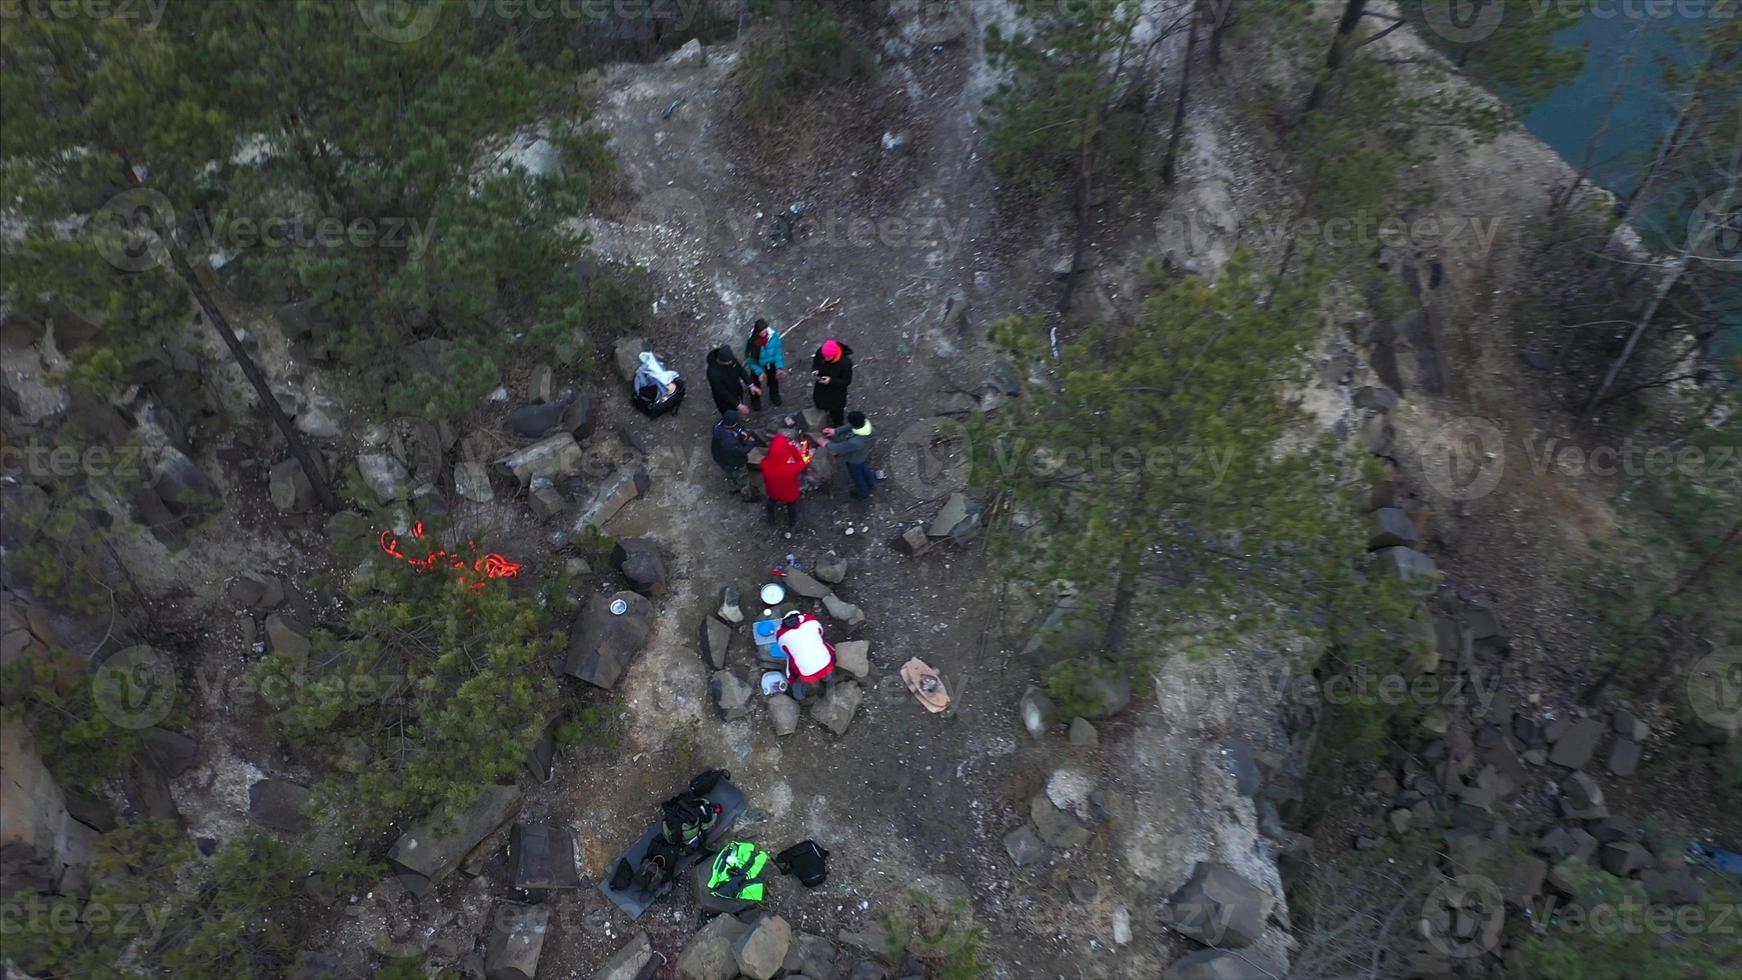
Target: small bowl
x,y
773,594
619,607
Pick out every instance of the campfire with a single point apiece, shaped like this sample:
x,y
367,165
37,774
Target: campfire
x,y
473,574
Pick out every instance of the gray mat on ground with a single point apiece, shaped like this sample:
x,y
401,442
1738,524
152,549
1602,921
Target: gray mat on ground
x,y
632,900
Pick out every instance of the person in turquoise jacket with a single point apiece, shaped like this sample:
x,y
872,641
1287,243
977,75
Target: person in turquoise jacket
x,y
765,356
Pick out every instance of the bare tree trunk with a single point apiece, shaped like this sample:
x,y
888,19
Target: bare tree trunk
x,y
1179,106
1352,11
310,463
1085,173
1224,11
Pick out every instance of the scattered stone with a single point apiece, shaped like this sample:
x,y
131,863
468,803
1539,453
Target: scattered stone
x,y
1121,926
954,512
182,486
854,657
292,493
1675,887
1557,843
384,475
1390,527
639,439
912,542
629,484
472,482
627,354
1582,798
783,714
833,571
278,803
709,953
716,641
539,385
1376,398
1576,744
537,420
1225,964
1625,859
639,561
1404,563
256,591
1624,757
800,582
1218,907
602,643
547,502
835,711
516,941
544,857
284,639
730,611
554,457
761,950
1400,820
1024,846
731,694
813,957
1056,827
1237,754
869,970
1377,434
1524,877
844,612
1071,790
1039,714
1627,725
436,845
1083,734
633,962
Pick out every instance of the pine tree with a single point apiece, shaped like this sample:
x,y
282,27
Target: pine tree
x,y
1162,471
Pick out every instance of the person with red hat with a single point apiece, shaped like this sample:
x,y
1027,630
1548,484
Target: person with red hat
x,y
832,366
810,659
780,472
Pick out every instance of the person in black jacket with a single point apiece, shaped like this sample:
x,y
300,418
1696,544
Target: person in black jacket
x,y
731,449
832,366
729,380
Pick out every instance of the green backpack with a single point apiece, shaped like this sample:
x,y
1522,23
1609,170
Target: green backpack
x,y
737,872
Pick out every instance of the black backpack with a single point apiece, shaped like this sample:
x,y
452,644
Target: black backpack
x,y
807,861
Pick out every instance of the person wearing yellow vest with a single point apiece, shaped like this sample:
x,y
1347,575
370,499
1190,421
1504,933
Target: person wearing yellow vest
x,y
737,872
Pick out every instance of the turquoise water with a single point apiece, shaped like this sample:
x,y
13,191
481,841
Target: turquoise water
x,y
1643,113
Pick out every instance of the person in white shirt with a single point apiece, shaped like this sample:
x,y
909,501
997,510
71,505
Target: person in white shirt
x,y
810,659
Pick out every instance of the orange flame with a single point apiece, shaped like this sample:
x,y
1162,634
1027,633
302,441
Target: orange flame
x,y
486,568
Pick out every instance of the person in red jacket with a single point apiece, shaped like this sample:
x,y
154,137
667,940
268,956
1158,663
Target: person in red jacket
x,y
810,659
780,471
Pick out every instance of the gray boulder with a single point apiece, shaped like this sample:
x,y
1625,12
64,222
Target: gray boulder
x,y
844,612
603,643
836,710
1390,528
1039,714
546,502
731,694
627,353
954,511
783,714
472,481
1577,744
1024,846
813,957
833,571
1083,734
639,561
279,803
436,845
633,962
628,484
1100,689
292,493
801,583
1217,907
730,610
1058,828
709,953
543,857
1376,398
1404,563
184,488
761,950
854,657
516,941
554,458
716,641
384,475
285,638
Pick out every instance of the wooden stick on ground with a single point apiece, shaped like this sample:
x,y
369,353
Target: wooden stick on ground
x,y
826,306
